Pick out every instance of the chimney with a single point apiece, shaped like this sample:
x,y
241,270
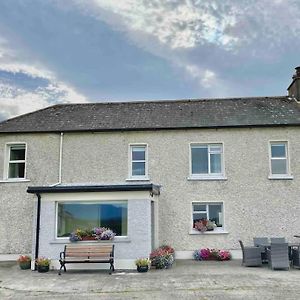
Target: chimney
x,y
294,88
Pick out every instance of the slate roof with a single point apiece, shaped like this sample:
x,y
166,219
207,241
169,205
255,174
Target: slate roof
x,y
155,115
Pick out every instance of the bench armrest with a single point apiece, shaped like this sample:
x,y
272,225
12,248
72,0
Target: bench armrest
x,y
62,255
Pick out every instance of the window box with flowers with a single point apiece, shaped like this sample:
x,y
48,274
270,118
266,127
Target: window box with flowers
x,y
95,234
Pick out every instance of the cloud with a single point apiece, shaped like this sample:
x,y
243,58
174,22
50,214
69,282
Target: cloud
x,y
16,99
205,38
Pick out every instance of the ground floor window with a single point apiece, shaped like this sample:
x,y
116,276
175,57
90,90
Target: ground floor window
x,y
213,212
88,215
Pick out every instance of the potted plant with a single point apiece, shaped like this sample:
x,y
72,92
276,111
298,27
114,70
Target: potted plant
x,y
142,264
162,257
97,233
205,225
24,262
43,264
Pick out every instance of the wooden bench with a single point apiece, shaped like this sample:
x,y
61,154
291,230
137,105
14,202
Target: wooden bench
x,y
75,253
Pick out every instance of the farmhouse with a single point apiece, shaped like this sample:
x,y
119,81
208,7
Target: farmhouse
x,y
149,171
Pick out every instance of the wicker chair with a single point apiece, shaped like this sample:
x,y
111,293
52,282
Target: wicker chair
x,y
278,256
258,241
251,256
278,240
296,257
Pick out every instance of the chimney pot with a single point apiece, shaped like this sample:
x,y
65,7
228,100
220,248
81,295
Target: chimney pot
x,y
294,88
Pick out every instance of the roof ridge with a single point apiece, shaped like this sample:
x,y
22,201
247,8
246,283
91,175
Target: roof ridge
x,y
170,100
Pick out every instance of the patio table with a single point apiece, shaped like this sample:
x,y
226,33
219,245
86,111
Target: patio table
x,y
290,246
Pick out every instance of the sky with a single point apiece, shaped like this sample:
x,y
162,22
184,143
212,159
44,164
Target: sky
x,y
77,51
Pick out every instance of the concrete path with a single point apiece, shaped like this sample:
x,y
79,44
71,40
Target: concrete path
x,y
186,280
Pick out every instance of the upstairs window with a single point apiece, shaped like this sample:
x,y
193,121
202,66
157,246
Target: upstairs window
x,y
207,160
279,162
16,157
138,162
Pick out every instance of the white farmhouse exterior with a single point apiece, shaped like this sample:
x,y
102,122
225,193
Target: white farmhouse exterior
x,y
150,170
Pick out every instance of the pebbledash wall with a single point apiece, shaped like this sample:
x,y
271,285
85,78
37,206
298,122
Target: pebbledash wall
x,y
253,204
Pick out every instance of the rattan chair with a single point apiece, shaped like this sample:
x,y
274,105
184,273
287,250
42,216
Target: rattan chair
x,y
296,257
258,242
277,240
278,256
251,256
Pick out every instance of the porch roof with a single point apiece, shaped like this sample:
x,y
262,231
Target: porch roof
x,y
73,188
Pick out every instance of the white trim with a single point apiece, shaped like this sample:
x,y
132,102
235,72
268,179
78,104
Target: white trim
x,y
15,180
207,176
216,231
84,202
196,178
7,161
286,175
137,177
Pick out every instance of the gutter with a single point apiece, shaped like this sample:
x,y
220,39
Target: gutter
x,y
37,232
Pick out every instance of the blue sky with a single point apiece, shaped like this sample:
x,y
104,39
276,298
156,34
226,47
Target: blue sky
x,y
74,51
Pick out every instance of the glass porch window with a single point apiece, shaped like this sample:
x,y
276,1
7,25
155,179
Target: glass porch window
x,y
79,215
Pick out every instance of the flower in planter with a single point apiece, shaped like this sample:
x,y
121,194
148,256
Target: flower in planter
x,y
43,261
211,254
24,262
205,225
162,257
97,233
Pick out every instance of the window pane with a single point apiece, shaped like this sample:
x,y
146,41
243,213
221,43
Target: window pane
x,y
215,163
199,160
16,170
215,149
215,214
138,169
199,216
199,207
73,216
278,150
17,153
278,166
138,153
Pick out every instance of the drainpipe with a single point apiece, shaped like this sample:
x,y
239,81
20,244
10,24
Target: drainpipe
x,y
37,233
60,160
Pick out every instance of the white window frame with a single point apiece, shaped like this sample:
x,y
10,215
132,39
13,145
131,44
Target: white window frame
x,y
286,175
120,237
130,161
209,175
7,161
217,230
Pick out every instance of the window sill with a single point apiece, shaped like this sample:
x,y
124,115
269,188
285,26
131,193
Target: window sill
x,y
205,178
115,240
14,180
138,179
194,232
281,177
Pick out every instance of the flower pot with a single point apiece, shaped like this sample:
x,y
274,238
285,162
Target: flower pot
x,y
142,269
25,265
42,269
